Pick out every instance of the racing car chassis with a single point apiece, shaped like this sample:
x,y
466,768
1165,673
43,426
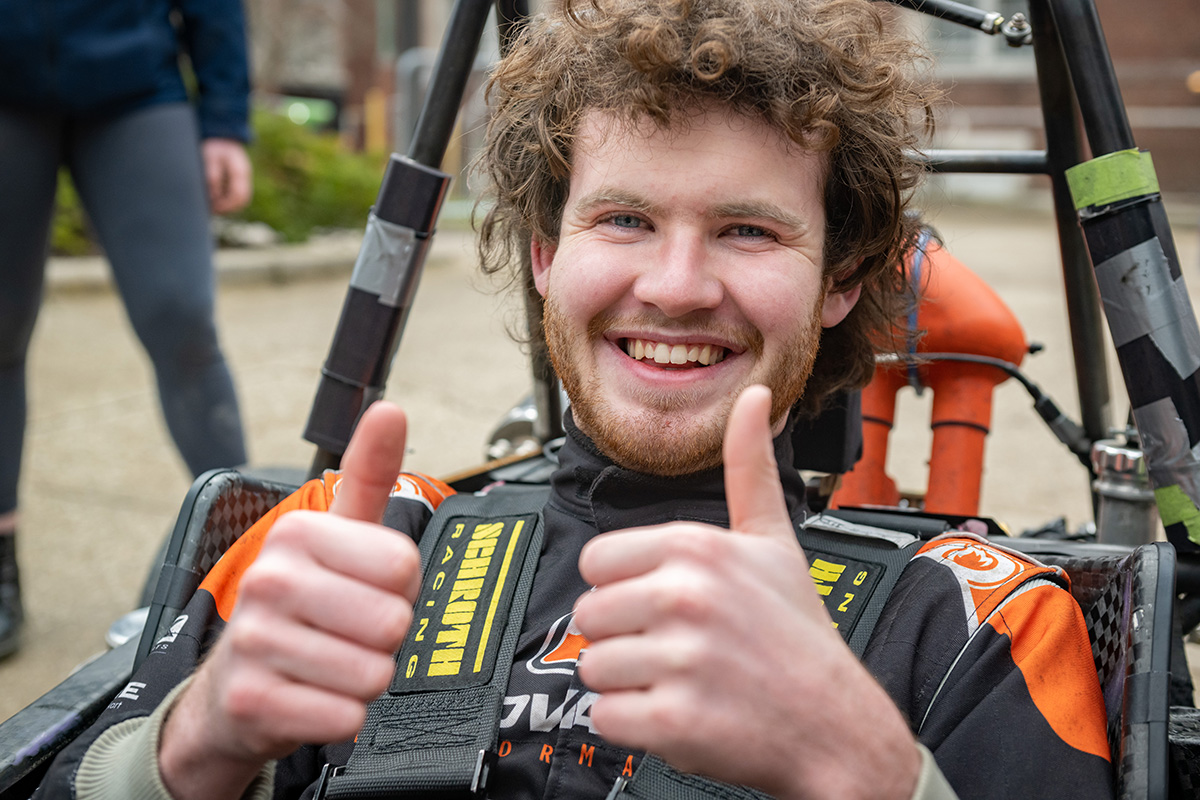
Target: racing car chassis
x,y
1120,266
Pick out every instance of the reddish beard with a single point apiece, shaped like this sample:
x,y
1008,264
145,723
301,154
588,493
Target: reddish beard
x,y
665,439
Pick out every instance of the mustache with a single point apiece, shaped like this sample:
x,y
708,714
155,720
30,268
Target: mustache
x,y
694,324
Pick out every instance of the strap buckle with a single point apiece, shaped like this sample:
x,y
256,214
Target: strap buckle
x,y
618,788
479,780
483,771
328,771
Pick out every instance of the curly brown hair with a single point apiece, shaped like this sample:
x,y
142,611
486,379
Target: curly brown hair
x,y
826,74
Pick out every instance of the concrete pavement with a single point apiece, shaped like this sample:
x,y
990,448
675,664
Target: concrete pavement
x,y
102,482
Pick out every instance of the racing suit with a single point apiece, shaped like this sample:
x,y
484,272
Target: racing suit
x,y
981,649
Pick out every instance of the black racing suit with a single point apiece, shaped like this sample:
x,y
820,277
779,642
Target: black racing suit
x,y
981,649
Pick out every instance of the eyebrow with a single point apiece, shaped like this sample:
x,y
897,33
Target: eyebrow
x,y
603,197
763,210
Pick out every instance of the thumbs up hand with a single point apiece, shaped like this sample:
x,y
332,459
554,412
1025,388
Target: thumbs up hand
x,y
711,648
319,615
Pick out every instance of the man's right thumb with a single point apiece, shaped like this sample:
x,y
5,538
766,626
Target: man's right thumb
x,y
372,461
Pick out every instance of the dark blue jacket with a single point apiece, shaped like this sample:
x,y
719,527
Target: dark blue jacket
x,y
103,57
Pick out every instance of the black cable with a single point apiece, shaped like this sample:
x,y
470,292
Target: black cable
x,y
1063,427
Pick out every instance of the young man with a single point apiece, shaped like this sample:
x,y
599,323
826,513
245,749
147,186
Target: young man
x,y
710,195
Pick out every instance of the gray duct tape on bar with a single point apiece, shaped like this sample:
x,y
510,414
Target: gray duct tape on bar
x,y
1141,298
1174,468
386,247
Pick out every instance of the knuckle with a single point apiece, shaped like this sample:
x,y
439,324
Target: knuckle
x,y
290,530
686,655
243,702
687,599
394,623
402,564
699,545
267,580
249,636
376,676
347,720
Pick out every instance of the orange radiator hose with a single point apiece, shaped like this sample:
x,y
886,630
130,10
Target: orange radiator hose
x,y
957,313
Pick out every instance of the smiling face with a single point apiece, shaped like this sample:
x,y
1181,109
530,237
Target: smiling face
x,y
688,266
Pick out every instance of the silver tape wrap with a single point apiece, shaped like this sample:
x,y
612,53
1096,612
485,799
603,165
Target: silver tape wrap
x,y
1141,299
386,247
1170,460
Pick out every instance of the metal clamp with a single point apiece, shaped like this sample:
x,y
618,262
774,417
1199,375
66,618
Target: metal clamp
x,y
483,770
618,788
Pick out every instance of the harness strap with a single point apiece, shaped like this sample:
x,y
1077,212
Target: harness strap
x,y
855,567
431,734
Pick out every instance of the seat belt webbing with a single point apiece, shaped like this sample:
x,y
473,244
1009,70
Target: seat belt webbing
x,y
431,733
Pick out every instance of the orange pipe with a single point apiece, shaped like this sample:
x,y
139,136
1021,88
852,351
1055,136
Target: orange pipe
x,y
958,313
868,483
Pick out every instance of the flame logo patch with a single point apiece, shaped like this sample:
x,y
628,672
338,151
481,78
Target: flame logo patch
x,y
981,566
560,652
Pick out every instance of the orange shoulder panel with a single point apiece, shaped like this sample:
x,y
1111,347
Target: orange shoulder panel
x,y
316,495
987,573
1050,646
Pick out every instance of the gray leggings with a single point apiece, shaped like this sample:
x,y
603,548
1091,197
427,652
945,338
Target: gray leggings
x,y
141,180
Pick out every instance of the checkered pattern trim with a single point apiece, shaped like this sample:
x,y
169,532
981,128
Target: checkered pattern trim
x,y
1184,732
1111,591
224,510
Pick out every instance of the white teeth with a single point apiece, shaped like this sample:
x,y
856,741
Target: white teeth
x,y
662,353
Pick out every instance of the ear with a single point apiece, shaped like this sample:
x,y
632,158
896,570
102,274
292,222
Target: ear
x,y
541,256
837,305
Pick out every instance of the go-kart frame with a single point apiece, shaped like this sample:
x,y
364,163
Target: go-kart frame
x,y
1106,207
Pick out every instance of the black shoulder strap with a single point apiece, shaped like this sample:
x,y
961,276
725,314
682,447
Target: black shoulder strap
x,y
431,733
854,567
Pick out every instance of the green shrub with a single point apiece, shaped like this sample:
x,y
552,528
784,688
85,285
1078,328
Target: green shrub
x,y
71,234
304,180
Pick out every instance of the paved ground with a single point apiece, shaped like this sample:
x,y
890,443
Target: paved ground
x,y
102,483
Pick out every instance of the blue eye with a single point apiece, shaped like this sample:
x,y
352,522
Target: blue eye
x,y
752,231
625,221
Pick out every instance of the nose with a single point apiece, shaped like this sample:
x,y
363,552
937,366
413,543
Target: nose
x,y
680,277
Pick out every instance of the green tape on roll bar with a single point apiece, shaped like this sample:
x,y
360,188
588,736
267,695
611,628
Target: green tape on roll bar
x,y
1112,178
1175,506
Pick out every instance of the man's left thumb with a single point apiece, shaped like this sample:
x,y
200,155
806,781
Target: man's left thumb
x,y
752,488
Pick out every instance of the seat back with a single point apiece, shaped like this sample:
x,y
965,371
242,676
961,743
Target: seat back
x,y
221,505
1127,603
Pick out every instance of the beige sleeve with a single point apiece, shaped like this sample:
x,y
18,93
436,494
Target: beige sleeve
x,y
122,764
931,783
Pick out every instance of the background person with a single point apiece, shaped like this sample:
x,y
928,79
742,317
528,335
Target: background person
x,y
96,86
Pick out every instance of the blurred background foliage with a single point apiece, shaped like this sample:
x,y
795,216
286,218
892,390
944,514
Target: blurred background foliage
x,y
304,181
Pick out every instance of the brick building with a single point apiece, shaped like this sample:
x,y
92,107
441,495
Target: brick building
x,y
1155,50
353,51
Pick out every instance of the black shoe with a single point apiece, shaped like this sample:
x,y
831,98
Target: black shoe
x,y
12,615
